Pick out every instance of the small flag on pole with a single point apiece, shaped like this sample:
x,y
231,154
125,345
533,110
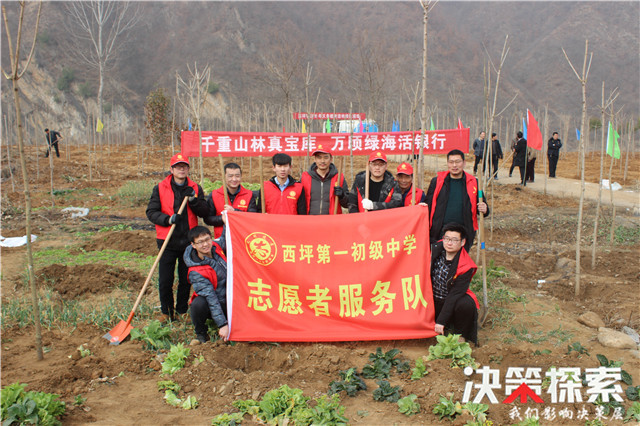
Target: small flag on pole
x,y
99,126
613,149
432,126
304,128
328,126
459,123
189,121
524,128
577,134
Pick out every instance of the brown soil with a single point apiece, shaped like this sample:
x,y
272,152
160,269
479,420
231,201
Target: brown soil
x,y
530,234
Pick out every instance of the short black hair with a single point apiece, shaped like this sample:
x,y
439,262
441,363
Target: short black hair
x,y
46,130
455,152
494,134
554,133
281,159
196,231
519,134
455,227
232,166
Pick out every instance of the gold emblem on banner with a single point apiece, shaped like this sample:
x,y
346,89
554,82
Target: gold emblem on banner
x,y
261,248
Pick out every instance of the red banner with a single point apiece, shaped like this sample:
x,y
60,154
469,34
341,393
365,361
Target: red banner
x,y
329,278
246,144
329,115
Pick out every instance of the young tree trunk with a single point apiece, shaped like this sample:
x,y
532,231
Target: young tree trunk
x,y
15,75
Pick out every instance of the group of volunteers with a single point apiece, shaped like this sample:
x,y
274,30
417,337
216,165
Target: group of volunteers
x,y
453,201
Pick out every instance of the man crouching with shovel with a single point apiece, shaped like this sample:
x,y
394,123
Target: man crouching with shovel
x,y
207,265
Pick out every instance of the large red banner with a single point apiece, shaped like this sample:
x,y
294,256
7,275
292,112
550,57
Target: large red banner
x,y
329,278
251,144
329,115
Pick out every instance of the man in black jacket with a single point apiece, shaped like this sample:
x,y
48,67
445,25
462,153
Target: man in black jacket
x,y
520,157
453,197
456,307
553,152
496,154
53,138
162,210
384,192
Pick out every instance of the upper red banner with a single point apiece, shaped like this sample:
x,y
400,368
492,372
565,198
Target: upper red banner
x,y
329,115
246,144
329,278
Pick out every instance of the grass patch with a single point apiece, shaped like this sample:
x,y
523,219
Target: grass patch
x,y
135,193
500,296
523,334
125,259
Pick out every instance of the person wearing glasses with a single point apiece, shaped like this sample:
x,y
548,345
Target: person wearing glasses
x,y
384,192
456,306
453,197
207,263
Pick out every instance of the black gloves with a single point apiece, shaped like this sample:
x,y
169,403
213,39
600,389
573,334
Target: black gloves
x,y
175,218
339,192
189,192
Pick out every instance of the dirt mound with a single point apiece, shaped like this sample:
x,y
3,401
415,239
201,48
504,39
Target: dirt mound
x,y
74,281
141,242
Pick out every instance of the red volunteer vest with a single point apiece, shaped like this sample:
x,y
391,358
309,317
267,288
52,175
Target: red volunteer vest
x,y
465,263
472,190
241,202
306,184
207,271
167,198
419,194
281,202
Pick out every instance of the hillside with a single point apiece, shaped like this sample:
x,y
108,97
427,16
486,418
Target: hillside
x,y
367,53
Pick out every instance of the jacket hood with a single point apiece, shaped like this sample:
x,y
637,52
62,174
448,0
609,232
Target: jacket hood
x,y
191,257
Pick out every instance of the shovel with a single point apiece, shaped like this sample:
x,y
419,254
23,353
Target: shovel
x,y
120,332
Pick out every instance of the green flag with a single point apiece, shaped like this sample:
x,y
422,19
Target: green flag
x,y
432,126
328,126
613,149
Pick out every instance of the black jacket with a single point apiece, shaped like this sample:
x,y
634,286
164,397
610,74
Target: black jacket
x,y
154,212
388,184
553,147
520,155
441,208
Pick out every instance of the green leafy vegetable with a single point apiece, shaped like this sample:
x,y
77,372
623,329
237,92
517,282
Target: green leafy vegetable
x,y
171,398
190,403
577,347
226,419
633,412
450,347
328,411
18,406
168,385
408,405
447,408
386,392
381,364
420,370
154,336
633,393
175,359
350,382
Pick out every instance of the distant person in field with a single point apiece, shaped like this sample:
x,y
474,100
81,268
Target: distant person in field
x,y
496,155
456,306
404,177
53,138
241,198
384,192
162,210
553,153
282,193
322,184
478,151
520,156
514,141
530,173
453,197
207,263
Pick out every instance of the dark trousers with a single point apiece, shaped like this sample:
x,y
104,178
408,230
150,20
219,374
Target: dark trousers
x,y
522,176
531,170
553,162
200,313
513,166
55,145
475,164
494,162
166,268
464,320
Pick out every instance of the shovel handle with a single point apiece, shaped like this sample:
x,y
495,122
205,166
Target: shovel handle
x,y
155,264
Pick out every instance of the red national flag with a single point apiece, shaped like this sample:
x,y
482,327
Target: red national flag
x,y
329,278
534,137
459,123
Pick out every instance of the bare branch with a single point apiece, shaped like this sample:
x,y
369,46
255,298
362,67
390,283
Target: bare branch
x,y
33,45
571,65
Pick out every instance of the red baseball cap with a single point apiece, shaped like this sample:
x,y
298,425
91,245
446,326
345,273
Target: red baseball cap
x,y
377,155
405,168
179,158
320,149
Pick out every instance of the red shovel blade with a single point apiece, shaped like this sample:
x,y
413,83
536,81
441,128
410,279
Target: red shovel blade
x,y
118,333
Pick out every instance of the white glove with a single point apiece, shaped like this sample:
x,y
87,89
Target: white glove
x,y
367,204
